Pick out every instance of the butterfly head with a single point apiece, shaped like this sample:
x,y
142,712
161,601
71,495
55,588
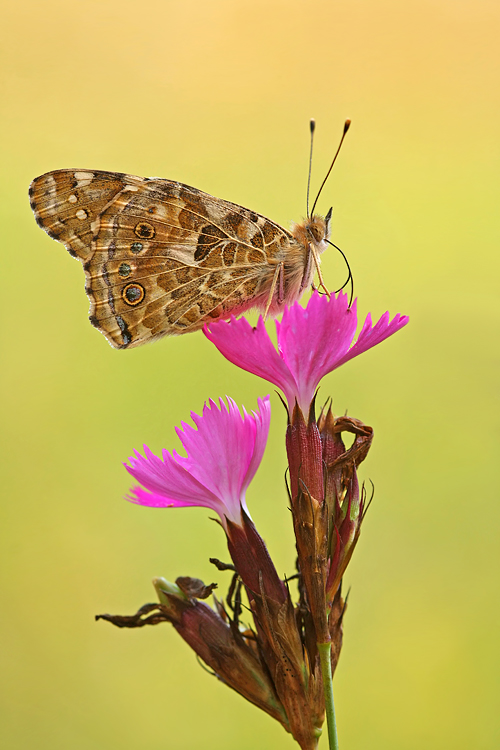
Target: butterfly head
x,y
315,231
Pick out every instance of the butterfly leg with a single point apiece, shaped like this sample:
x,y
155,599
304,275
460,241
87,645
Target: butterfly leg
x,y
315,258
281,291
278,276
314,288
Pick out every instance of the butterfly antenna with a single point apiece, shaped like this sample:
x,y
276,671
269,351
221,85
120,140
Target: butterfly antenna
x,y
346,128
349,277
312,126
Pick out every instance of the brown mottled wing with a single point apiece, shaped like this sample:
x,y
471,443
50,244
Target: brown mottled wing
x,y
160,258
67,203
169,258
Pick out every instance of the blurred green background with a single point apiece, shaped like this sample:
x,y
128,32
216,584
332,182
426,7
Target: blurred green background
x,y
218,95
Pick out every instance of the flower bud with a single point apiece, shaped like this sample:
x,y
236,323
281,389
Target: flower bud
x,y
345,502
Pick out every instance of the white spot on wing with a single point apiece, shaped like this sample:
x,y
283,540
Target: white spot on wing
x,y
84,178
81,214
72,199
52,196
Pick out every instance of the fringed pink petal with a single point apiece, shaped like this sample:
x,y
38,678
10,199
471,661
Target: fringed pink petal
x,y
252,350
262,419
313,339
224,451
220,450
141,496
312,342
370,335
168,480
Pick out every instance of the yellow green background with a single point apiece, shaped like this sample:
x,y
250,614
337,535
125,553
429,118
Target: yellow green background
x,y
218,94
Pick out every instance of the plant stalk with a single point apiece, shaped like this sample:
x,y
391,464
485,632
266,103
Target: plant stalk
x,y
325,651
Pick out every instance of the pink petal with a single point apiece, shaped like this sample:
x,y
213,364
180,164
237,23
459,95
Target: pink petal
x,y
221,449
313,340
167,484
252,350
372,335
262,421
223,454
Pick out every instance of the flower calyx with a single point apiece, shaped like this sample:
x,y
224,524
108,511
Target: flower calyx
x,y
327,505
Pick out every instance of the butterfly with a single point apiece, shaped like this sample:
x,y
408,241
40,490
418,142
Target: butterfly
x,y
162,258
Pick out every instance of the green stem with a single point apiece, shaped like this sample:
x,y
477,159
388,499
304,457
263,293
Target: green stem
x,y
325,650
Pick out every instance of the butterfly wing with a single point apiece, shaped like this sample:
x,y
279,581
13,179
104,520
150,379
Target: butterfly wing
x,y
67,202
160,257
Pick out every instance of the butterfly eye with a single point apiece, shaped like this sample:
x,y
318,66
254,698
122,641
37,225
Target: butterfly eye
x,y
316,232
125,269
133,294
145,230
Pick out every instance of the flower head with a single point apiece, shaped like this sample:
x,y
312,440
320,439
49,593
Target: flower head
x,y
312,342
223,454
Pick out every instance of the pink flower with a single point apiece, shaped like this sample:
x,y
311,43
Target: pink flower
x,y
312,342
223,454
